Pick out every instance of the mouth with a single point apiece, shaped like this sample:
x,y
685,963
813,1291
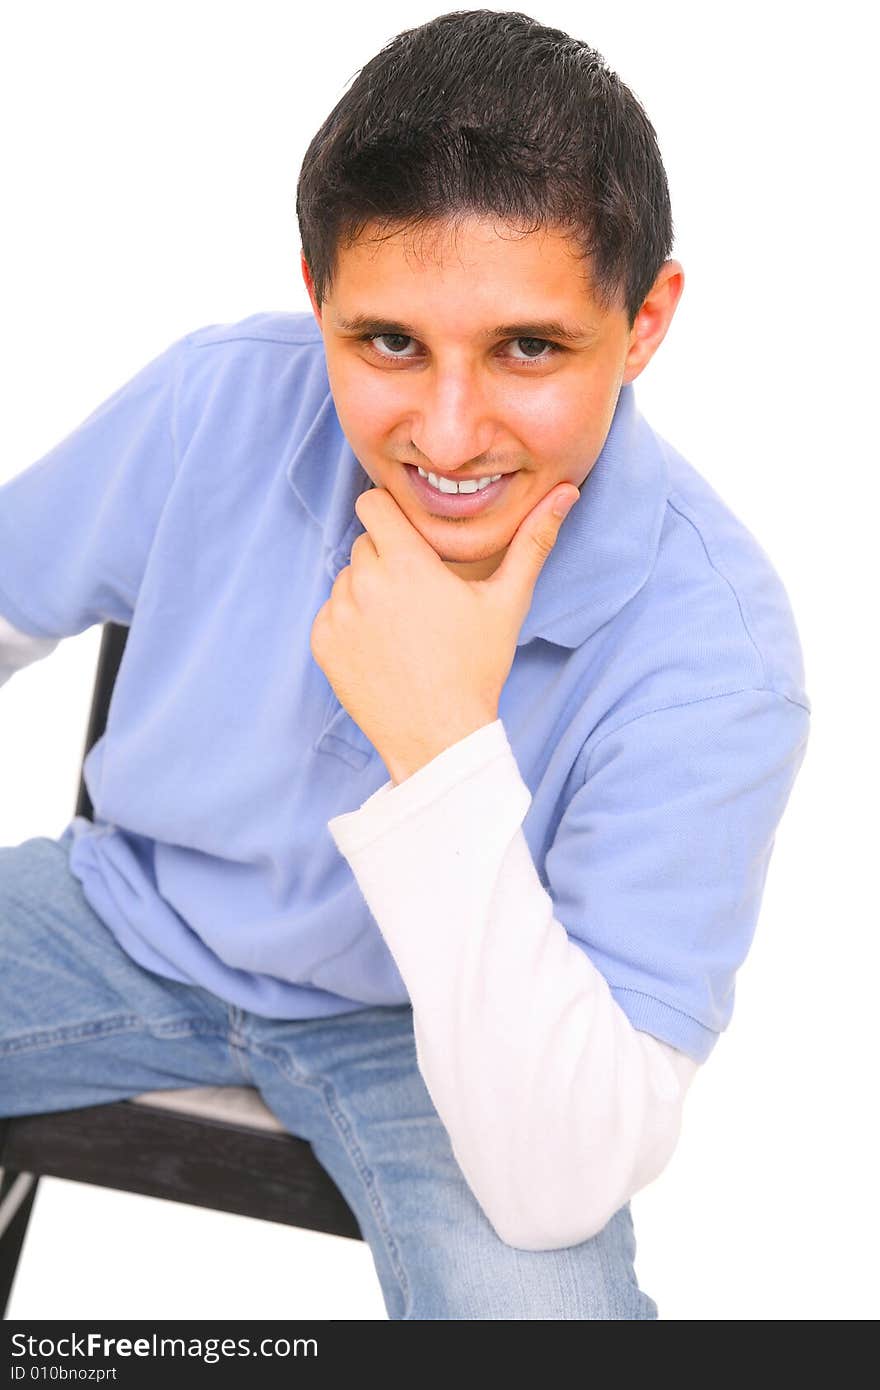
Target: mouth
x,y
453,504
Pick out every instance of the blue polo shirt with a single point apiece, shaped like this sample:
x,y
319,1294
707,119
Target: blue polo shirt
x,y
656,704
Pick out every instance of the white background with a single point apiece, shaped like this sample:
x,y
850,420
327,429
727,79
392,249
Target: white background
x,y
149,163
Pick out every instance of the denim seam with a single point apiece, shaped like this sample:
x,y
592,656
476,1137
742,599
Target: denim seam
x,y
49,1037
85,1032
184,1028
237,1043
343,1126
239,1055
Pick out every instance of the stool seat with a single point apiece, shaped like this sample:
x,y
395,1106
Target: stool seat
x,y
242,1105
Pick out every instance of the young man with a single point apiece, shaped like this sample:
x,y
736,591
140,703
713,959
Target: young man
x,y
441,819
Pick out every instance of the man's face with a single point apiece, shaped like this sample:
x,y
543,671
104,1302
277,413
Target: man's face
x,y
430,383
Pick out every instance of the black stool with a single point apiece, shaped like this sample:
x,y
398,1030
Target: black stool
x,y
216,1147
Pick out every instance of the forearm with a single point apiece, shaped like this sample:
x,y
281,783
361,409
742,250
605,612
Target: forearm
x,y
558,1110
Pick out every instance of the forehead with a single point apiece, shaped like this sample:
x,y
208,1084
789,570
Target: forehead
x,y
482,258
462,236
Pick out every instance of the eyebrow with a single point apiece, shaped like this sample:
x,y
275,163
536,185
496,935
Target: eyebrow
x,y
536,328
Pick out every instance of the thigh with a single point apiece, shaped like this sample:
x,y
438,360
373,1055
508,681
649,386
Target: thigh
x,y
351,1085
81,1023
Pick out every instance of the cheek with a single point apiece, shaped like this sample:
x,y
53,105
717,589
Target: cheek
x,y
554,421
363,413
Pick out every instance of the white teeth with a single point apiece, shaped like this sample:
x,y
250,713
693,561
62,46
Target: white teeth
x,y
447,485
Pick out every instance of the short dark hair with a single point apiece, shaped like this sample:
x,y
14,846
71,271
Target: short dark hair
x,y
486,112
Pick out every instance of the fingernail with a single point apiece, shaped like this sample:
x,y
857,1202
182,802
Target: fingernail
x,y
564,503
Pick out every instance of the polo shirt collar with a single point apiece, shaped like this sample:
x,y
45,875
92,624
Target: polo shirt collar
x,y
606,548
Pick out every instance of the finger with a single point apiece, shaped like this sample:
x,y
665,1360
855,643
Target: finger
x,y
530,548
364,550
387,525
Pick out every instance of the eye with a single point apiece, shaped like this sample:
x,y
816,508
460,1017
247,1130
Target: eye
x,y
372,338
542,342
551,349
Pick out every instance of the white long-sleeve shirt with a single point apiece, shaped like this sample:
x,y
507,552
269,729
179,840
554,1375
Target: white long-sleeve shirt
x,y
19,649
558,1110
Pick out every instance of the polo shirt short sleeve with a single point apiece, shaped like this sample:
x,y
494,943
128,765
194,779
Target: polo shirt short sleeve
x,y
658,866
77,525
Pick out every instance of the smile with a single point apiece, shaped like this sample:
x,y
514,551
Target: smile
x,y
442,497
449,486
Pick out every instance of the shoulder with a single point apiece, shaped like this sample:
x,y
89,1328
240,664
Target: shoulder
x,y
736,601
712,619
263,373
265,342
266,326
713,616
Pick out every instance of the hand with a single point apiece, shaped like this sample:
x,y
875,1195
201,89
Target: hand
x,y
417,655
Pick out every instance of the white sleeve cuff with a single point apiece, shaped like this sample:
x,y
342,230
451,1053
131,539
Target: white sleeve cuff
x,y
392,805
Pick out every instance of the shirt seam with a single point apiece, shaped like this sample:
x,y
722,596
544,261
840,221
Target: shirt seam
x,y
683,704
678,511
176,369
174,408
255,338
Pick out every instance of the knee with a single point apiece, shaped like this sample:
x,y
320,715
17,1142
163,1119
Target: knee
x,y
481,1277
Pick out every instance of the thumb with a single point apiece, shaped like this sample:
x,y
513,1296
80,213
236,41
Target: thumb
x,y
563,503
533,541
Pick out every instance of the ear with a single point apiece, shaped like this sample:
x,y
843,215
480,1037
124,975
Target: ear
x,y
307,279
653,319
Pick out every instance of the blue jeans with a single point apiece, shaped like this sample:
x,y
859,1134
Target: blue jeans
x,y
81,1023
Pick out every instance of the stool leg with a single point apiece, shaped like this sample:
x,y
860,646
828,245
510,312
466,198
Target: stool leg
x,y
17,1193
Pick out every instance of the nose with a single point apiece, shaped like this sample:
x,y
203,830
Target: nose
x,y
453,427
